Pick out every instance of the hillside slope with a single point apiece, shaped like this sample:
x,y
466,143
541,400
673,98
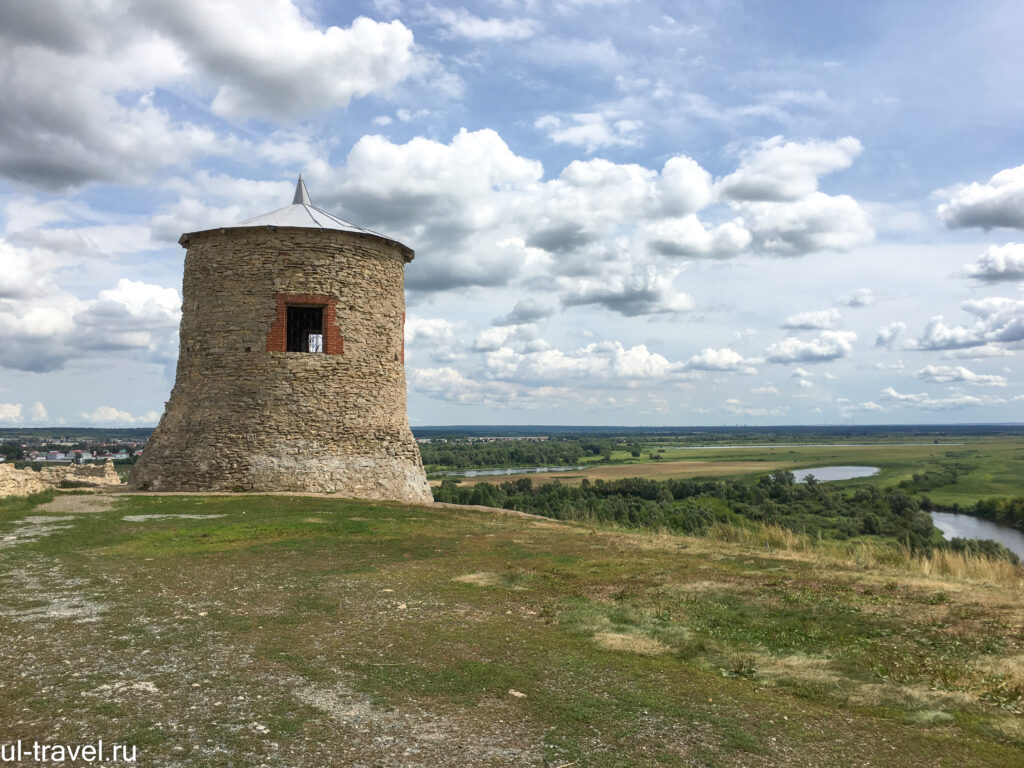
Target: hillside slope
x,y
290,631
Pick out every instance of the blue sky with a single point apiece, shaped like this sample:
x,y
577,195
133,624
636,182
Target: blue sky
x,y
624,212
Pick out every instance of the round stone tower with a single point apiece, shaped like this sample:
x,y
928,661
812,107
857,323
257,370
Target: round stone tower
x,y
291,369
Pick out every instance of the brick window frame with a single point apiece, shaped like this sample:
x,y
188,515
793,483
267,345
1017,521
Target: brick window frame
x,y
277,336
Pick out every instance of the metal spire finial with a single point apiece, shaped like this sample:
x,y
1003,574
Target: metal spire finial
x,y
301,195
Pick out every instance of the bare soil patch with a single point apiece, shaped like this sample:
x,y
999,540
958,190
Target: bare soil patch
x,y
490,733
144,518
78,503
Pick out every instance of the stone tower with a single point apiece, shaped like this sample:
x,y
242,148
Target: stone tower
x,y
291,369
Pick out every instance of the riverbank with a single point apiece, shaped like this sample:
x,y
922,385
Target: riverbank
x,y
965,526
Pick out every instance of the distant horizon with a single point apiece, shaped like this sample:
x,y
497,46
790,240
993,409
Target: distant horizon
x,y
609,427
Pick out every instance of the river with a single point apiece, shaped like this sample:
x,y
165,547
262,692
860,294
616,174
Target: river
x,y
827,474
507,471
954,525
805,445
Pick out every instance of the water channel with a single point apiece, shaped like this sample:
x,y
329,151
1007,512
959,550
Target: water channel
x,y
804,445
827,474
954,525
507,471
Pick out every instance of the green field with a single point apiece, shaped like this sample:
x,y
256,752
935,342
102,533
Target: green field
x,y
993,466
288,631
989,466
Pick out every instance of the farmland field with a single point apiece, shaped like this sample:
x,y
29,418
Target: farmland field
x,y
989,466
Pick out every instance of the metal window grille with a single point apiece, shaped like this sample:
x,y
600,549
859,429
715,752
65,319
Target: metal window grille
x,y
305,329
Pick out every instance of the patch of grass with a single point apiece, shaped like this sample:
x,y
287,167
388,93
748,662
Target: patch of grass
x,y
13,507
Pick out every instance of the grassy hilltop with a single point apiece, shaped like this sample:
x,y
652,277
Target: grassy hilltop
x,y
286,631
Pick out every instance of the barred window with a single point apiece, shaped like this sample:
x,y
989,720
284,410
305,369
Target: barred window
x,y
305,329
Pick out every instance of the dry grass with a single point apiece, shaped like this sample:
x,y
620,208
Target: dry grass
x,y
631,642
1009,668
968,567
909,697
796,667
873,555
481,579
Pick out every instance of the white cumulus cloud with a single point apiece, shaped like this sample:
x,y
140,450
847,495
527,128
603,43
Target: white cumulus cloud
x,y
928,402
998,321
999,263
525,311
271,61
816,320
644,292
724,359
997,203
818,222
82,83
606,361
461,23
945,374
776,170
887,334
830,345
133,318
591,130
10,413
688,236
108,415
862,297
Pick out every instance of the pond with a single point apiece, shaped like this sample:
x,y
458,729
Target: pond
x,y
827,474
507,471
954,525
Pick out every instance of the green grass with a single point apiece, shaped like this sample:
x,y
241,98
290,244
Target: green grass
x,y
994,465
310,631
13,507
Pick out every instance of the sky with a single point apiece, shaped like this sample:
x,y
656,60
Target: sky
x,y
624,212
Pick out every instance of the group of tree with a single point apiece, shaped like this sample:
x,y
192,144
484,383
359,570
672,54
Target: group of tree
x,y
929,480
691,506
1008,511
512,453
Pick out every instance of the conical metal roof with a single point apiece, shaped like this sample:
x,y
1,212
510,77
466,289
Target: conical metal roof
x,y
304,215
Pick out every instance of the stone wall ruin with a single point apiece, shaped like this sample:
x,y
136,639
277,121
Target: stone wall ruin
x,y
24,482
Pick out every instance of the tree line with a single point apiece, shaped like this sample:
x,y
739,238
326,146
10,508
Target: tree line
x,y
512,453
691,506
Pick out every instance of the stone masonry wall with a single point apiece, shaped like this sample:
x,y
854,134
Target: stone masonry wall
x,y
243,416
23,482
19,482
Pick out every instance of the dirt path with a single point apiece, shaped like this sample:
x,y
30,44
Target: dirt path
x,y
78,503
